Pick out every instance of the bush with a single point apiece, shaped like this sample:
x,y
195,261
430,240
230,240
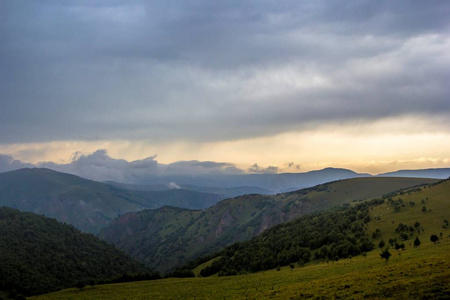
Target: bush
x,y
385,254
434,238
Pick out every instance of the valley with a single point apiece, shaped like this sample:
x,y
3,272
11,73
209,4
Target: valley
x,y
86,204
415,272
169,237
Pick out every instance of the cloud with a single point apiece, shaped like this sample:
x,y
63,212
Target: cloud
x,y
100,166
293,166
222,71
195,167
173,185
8,163
260,170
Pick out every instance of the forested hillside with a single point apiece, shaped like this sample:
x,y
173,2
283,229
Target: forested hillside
x,y
329,235
393,220
169,237
40,255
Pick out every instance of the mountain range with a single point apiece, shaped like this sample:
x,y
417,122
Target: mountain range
x,y
168,237
86,204
441,173
91,206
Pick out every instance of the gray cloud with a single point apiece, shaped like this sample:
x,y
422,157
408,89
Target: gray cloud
x,y
101,167
260,170
213,71
8,163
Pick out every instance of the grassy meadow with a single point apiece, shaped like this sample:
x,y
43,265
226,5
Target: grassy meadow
x,y
413,273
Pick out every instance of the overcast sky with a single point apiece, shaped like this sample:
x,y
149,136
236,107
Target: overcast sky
x,y
357,84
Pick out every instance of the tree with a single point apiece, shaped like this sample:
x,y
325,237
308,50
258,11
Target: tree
x,y
381,244
292,267
399,246
385,254
417,242
404,236
424,209
376,234
434,238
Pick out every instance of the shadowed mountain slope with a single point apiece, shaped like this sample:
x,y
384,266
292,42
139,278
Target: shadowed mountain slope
x,y
40,255
86,204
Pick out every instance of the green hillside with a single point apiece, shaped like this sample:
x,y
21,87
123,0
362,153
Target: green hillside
x,y
421,272
40,255
86,204
169,237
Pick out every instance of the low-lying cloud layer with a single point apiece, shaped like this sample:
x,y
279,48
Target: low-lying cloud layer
x,y
101,167
216,71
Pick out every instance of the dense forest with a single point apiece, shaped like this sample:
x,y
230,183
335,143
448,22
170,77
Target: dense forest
x,y
328,235
40,255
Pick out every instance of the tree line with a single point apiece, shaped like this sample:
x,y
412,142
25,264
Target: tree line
x,y
328,235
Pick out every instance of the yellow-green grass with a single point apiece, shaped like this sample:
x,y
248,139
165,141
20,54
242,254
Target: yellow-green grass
x,y
436,198
414,273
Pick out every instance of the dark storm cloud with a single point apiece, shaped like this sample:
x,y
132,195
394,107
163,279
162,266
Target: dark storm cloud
x,y
221,70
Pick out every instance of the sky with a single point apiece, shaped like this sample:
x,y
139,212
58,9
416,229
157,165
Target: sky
x,y
225,86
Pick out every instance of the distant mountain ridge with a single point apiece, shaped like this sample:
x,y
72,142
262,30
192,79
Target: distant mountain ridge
x,y
91,205
276,183
223,192
86,204
441,173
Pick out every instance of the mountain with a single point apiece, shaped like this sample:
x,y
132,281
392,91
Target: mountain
x,y
412,272
333,234
441,173
223,193
40,255
168,237
86,204
271,182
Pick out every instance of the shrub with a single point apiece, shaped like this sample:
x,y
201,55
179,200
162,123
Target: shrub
x,y
434,238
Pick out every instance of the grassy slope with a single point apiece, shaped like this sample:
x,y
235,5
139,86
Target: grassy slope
x,y
170,237
418,273
422,272
436,198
